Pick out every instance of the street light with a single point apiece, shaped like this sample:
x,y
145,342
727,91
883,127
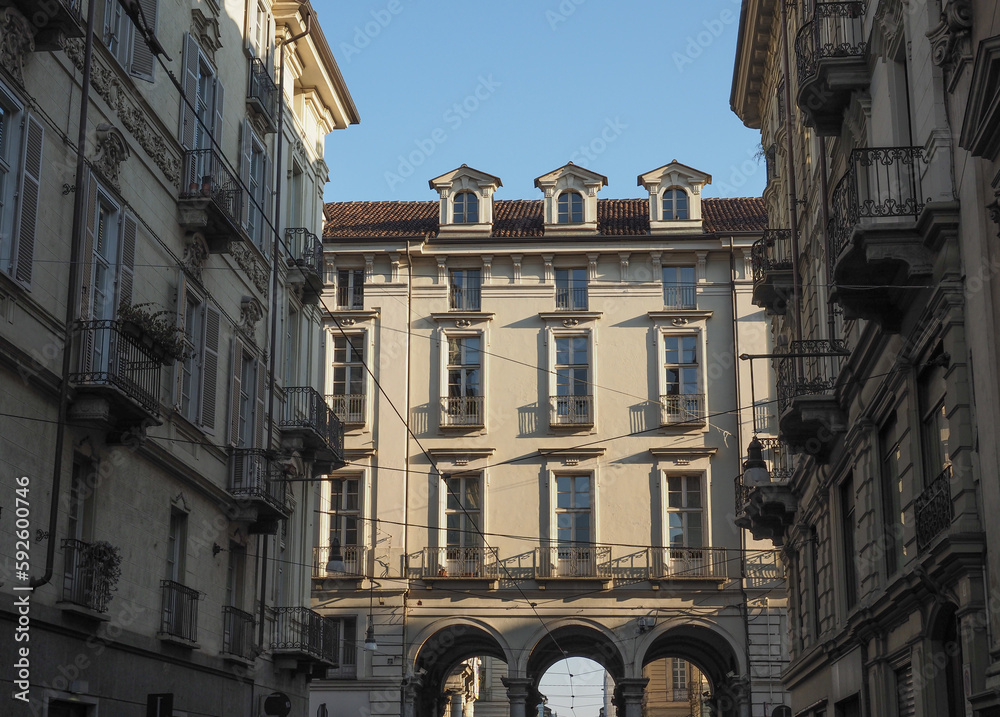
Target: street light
x,y
336,562
370,643
755,469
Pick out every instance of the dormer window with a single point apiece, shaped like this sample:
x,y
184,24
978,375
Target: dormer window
x,y
466,209
570,208
675,204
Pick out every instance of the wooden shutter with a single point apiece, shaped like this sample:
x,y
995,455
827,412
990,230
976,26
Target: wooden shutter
x,y
126,267
28,211
266,208
210,367
190,83
143,62
250,25
246,154
220,103
905,704
234,407
87,258
260,422
182,298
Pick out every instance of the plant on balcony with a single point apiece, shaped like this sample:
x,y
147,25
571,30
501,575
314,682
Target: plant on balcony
x,y
105,562
157,329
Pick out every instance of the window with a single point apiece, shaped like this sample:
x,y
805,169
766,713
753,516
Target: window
x,y
248,394
256,171
345,637
345,512
234,575
675,204
572,402
119,35
681,401
679,681
905,702
684,512
63,708
247,369
259,27
348,400
105,260
570,208
20,178
573,506
465,289
205,92
463,508
892,488
464,403
466,210
848,525
571,289
198,371
350,289
934,430
176,546
679,287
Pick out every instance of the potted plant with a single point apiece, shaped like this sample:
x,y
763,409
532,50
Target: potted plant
x,y
156,329
103,561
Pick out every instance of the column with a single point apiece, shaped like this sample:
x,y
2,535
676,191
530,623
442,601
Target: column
x,y
630,692
457,703
517,694
411,690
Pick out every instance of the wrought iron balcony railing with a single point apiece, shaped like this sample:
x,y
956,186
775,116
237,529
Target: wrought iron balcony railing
x,y
680,296
255,477
574,561
179,611
263,92
880,183
780,463
763,569
933,509
113,358
810,368
304,632
348,408
465,299
836,30
571,410
462,411
237,633
682,408
351,296
742,494
679,563
772,252
459,562
305,249
207,176
351,563
306,408
87,581
572,298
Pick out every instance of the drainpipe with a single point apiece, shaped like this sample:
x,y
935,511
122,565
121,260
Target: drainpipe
x,y
793,224
824,208
275,248
76,241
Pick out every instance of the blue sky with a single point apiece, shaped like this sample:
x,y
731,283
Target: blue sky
x,y
521,87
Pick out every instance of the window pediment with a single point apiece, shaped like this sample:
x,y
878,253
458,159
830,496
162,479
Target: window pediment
x,y
674,197
981,126
571,199
466,200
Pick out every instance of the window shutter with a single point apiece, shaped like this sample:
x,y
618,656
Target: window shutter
x,y
250,25
267,207
210,367
246,147
271,32
182,325
260,427
190,80
87,258
220,103
234,408
143,62
127,266
30,183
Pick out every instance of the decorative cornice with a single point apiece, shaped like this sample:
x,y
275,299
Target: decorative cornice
x,y
205,29
949,39
244,256
692,452
112,150
16,41
134,117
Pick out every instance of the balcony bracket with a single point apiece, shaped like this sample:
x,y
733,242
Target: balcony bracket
x,y
196,216
769,512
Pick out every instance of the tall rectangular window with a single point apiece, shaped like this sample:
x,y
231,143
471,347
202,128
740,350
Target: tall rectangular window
x,y
684,512
348,400
350,289
463,511
256,186
246,401
8,177
679,287
679,680
204,105
194,318
176,546
892,488
682,399
464,405
21,161
345,511
572,369
934,429
571,289
847,527
464,289
234,575
573,510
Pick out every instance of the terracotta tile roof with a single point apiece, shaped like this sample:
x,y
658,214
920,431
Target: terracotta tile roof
x,y
522,218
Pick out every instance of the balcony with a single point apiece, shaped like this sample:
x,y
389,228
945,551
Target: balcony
x,y
809,417
118,378
237,634
303,638
831,53
350,409
878,237
262,95
179,613
680,409
772,260
933,510
211,199
307,423
88,579
675,563
680,297
587,562
462,412
350,566
255,482
305,263
464,299
767,511
572,298
764,570
470,563
571,411
53,22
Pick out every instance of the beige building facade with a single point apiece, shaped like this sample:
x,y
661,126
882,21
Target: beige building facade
x,y
878,273
161,354
544,418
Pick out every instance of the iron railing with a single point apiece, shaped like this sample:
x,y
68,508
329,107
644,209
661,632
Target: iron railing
x,y
349,408
676,562
763,568
113,356
179,611
305,249
350,294
206,175
933,509
459,562
680,296
254,476
743,492
780,462
305,407
772,252
572,298
304,631
86,581
462,411
571,410
464,298
574,561
682,408
263,90
237,633
352,557
836,30
880,183
810,367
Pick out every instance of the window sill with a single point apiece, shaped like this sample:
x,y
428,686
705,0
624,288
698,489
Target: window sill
x,y
463,316
177,640
82,611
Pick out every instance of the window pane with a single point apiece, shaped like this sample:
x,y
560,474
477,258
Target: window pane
x,y
472,494
582,532
564,521
689,345
580,349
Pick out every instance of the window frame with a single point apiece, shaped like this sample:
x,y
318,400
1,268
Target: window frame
x,y
573,509
675,195
357,513
699,406
357,408
574,206
890,457
555,408
685,510
462,512
467,215
572,284
685,293
352,289
476,417
465,289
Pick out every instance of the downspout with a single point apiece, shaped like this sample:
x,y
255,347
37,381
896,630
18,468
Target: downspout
x,y
275,248
406,472
76,241
793,224
831,326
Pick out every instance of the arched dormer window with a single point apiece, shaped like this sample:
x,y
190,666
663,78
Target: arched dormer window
x,y
675,204
466,209
570,208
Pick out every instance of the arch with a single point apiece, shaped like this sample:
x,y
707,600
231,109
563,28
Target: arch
x,y
465,208
573,638
700,642
569,207
675,203
947,657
